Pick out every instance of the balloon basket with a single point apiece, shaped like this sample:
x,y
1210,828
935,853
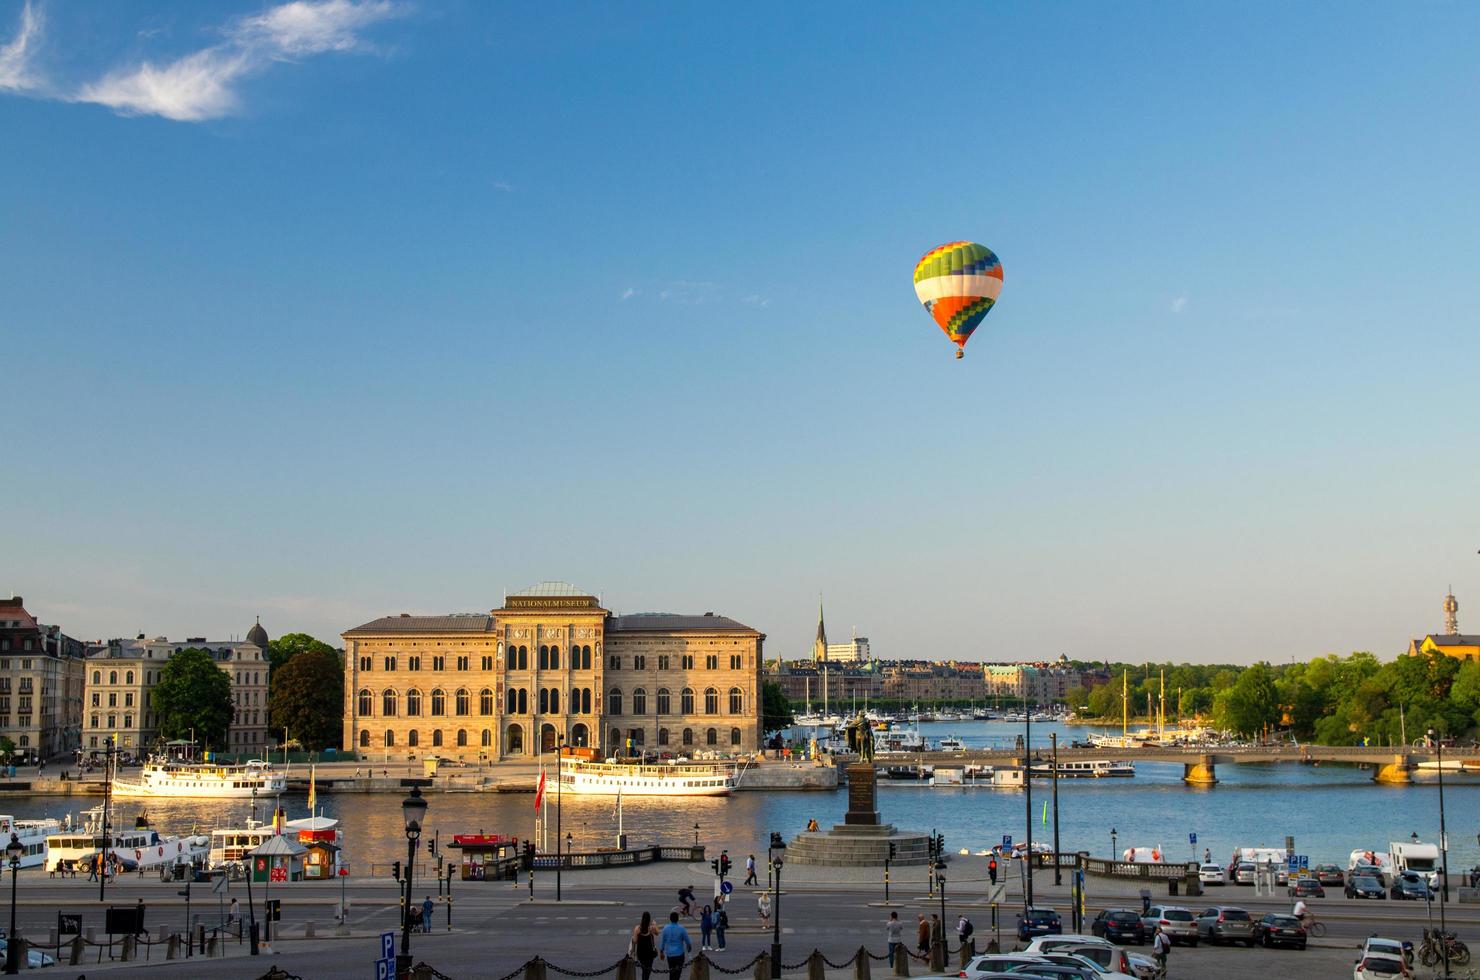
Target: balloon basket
x,y
960,354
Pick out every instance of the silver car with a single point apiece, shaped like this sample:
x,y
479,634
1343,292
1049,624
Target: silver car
x,y
1177,922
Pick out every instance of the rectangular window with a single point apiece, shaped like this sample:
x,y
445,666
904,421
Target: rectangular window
x,y
614,662
662,661
711,661
439,662
688,661
487,663
390,663
462,663
735,661
639,663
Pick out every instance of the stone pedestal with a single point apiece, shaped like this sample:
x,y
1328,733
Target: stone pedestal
x,y
862,839
863,805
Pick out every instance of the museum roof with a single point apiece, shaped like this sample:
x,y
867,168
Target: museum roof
x,y
659,622
406,623
551,589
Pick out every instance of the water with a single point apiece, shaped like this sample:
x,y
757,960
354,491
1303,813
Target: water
x,y
1330,810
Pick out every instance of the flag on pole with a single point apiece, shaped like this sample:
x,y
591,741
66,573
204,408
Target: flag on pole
x,y
539,793
313,796
1045,813
617,807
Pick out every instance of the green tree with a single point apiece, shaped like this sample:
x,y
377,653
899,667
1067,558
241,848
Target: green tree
x,y
1250,704
306,698
7,749
775,709
193,693
289,645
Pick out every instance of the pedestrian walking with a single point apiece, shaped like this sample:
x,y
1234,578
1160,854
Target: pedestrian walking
x,y
750,871
1161,946
894,932
922,935
1207,855
964,929
763,906
706,927
644,944
721,923
675,942
426,914
232,911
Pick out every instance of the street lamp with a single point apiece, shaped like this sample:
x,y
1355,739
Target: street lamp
x,y
559,758
13,850
774,852
696,834
414,810
1113,851
1443,850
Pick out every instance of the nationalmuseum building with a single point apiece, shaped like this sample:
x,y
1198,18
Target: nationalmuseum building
x,y
551,664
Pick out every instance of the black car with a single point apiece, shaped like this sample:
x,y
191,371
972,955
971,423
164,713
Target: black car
x,y
1410,886
1364,886
1120,926
1306,888
1279,930
1038,922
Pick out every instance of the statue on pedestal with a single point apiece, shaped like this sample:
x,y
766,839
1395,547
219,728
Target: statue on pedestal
x,y
861,738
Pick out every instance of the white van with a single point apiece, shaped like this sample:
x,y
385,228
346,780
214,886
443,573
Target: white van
x,y
1378,859
1423,859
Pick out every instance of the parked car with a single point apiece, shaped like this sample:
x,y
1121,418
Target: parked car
x,y
1244,873
1329,874
1411,886
1038,922
1119,926
1212,874
1054,971
1178,923
1279,930
1364,886
1375,967
1102,951
1389,947
1226,924
1306,888
35,958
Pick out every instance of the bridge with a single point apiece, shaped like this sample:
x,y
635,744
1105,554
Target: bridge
x,y
1391,765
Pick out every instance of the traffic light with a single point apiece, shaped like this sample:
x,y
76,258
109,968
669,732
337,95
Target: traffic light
x,y
891,850
396,870
940,845
724,865
715,865
992,870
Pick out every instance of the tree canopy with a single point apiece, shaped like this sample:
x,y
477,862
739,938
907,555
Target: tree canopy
x,y
193,693
775,709
289,645
306,698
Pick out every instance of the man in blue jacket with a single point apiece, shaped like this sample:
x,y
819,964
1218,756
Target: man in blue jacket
x,y
675,943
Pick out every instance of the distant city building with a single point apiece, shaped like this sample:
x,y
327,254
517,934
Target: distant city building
x,y
855,651
1037,682
819,645
121,675
552,665
40,683
1451,613
1451,643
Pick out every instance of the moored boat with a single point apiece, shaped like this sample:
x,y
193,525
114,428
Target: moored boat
x,y
172,778
140,847
1084,769
32,836
633,779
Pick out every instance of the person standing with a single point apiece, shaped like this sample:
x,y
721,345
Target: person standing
x,y
721,923
644,945
706,927
763,906
426,914
894,932
964,929
675,942
1160,947
750,871
922,935
1207,855
232,911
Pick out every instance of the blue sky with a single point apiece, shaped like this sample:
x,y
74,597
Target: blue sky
x,y
328,310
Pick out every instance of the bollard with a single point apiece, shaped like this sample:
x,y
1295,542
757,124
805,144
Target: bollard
x,y
627,969
91,934
308,930
762,967
211,945
198,938
938,955
816,966
699,968
901,961
966,952
993,946
861,965
534,969
76,955
52,937
421,972
128,949
173,949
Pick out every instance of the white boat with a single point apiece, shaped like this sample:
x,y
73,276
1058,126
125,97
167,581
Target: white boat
x,y
1084,769
899,740
984,776
231,845
612,778
32,835
952,743
141,847
1102,741
170,778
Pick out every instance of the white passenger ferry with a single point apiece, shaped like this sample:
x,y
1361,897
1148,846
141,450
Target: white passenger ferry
x,y
166,777
1084,769
32,835
140,847
611,778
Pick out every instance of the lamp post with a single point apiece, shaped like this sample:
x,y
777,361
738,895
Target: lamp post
x,y
13,850
559,759
696,834
1114,853
1028,803
414,810
1443,851
1053,737
105,831
778,846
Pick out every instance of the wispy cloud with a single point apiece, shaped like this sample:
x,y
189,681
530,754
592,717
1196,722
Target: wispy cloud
x,y
503,185
204,84
1179,304
627,294
16,72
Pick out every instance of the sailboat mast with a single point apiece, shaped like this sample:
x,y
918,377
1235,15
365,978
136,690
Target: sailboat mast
x,y
1125,702
1161,721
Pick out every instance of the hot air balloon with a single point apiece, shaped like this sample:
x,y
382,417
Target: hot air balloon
x,y
958,282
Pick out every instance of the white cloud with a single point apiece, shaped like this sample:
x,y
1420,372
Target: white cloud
x,y
627,294
16,74
203,84
1179,304
503,185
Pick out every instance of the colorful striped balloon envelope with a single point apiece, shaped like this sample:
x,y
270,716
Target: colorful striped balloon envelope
x,y
959,282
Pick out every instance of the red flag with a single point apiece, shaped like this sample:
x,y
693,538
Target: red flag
x,y
539,794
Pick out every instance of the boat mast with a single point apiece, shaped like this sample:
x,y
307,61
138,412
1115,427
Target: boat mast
x,y
1125,703
1161,721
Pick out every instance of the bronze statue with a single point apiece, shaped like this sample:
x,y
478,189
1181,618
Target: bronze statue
x,y
861,738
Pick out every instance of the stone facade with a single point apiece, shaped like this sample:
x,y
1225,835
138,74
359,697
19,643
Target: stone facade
x,y
551,665
40,684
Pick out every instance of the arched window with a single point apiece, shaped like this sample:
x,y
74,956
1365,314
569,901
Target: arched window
x,y
513,699
485,702
615,745
639,701
711,737
487,738
437,738
390,738
514,740
521,658
614,703
364,739
544,661
462,701
711,701
580,736
735,736
97,674
112,677
662,736
737,701
413,738
439,701
462,739
665,705
128,678
544,700
686,701
367,703
413,703
688,736
388,704
523,701
554,700
547,738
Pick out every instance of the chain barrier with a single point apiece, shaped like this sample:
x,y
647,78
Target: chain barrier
x,y
425,967
744,969
795,966
881,958
836,966
576,973
507,976
276,973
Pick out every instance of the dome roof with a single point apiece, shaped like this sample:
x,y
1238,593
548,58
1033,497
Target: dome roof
x,y
257,634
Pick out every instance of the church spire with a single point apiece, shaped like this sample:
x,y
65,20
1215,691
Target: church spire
x,y
819,646
1451,614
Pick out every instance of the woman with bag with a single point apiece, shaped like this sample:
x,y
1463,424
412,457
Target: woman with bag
x,y
721,923
706,927
644,945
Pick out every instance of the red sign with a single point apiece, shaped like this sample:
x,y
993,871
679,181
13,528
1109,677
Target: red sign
x,y
279,874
